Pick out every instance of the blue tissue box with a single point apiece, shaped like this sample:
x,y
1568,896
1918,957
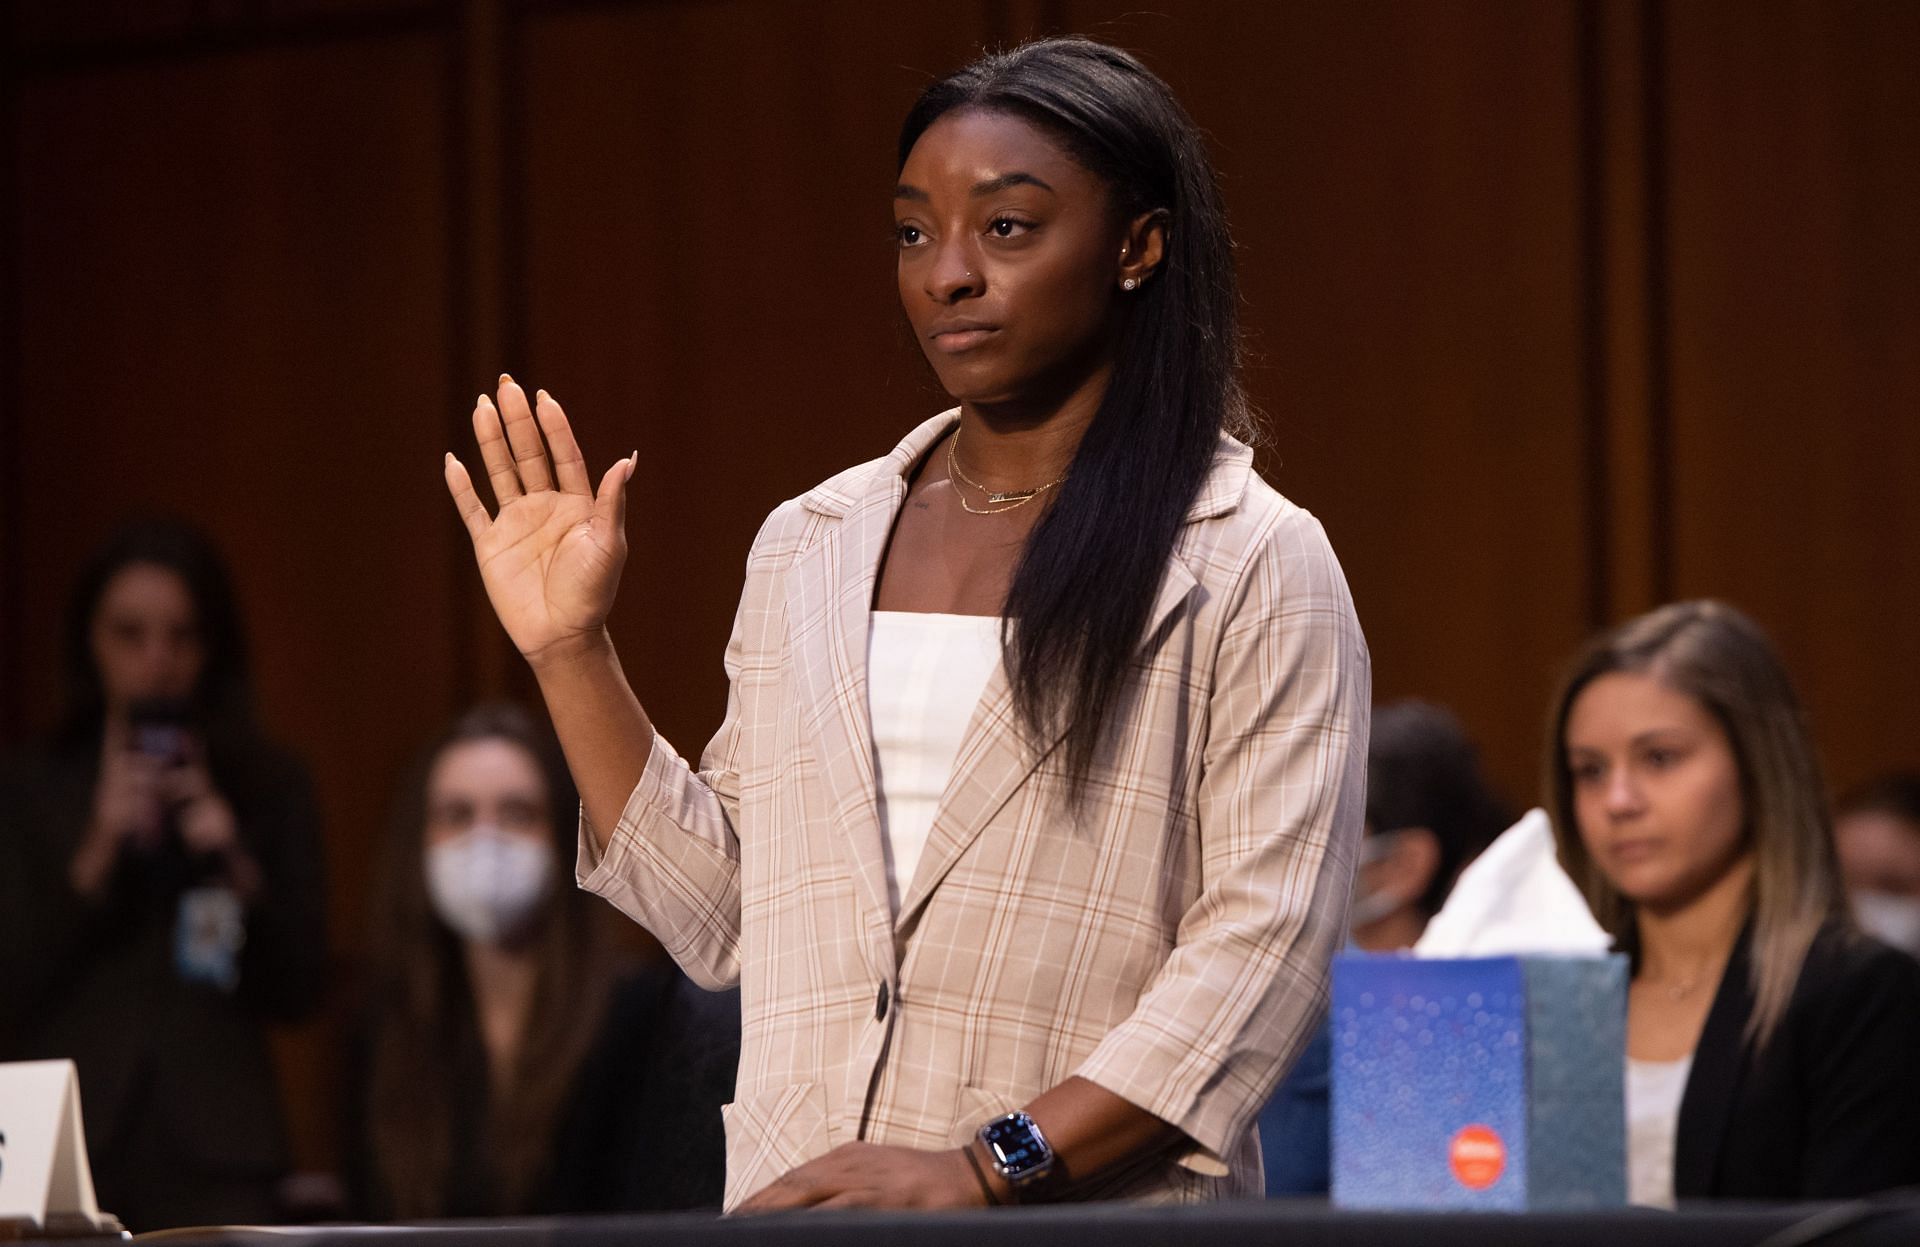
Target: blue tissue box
x,y
1480,1083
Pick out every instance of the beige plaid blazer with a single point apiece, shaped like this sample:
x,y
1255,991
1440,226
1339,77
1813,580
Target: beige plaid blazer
x,y
1169,943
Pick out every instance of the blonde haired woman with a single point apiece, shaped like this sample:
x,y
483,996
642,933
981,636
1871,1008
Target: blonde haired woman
x,y
1770,1045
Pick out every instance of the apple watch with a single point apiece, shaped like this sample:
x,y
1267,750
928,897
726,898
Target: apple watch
x,y
1021,1154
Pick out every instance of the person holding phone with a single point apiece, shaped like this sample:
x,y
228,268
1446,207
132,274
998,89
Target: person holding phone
x,y
160,890
1030,828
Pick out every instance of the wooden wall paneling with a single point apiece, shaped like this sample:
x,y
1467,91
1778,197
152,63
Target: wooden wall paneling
x,y
710,281
1555,308
1624,128
1406,186
67,35
483,189
1795,262
234,276
12,469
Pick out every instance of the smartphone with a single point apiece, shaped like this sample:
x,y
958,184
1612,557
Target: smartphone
x,y
160,728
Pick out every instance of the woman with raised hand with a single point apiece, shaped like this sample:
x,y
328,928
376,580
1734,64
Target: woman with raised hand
x,y
1769,1044
1030,828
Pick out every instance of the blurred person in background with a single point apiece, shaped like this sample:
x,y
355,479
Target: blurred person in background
x,y
505,1063
1430,810
161,891
1770,1045
1877,832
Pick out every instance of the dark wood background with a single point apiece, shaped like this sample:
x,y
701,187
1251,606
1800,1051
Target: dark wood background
x,y
1560,310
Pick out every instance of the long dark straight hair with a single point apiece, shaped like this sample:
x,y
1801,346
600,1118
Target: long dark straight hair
x,y
423,998
1086,582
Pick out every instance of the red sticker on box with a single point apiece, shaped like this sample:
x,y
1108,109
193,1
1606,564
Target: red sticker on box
x,y
1478,1157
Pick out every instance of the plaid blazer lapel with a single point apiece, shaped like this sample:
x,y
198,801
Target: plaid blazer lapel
x,y
830,596
995,758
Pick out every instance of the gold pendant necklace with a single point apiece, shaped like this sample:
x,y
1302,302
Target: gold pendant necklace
x,y
1010,498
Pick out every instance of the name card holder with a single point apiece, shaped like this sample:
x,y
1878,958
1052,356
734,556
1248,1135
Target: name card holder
x,y
46,1185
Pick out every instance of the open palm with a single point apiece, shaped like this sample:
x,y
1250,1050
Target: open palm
x,y
551,557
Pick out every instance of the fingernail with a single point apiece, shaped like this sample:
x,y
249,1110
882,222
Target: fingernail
x,y
505,379
541,396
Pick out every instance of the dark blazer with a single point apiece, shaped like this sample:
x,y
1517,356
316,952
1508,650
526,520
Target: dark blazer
x,y
639,1131
1830,1108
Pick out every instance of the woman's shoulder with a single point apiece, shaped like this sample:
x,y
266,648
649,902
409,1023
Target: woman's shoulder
x,y
1854,995
1245,539
800,521
1845,968
1238,510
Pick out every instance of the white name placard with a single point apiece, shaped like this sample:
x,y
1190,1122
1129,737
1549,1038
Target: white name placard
x,y
44,1175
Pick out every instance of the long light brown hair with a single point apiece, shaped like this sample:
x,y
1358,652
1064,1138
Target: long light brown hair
x,y
425,999
1722,660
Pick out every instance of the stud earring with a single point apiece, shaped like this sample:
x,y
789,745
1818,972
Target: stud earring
x,y
1130,283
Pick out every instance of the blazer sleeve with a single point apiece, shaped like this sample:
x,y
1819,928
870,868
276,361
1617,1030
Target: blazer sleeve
x,y
1863,1119
673,861
1281,801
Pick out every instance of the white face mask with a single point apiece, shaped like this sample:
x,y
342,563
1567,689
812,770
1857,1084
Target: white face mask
x,y
486,883
1890,917
1370,907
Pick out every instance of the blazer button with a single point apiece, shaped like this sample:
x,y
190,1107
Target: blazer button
x,y
880,1005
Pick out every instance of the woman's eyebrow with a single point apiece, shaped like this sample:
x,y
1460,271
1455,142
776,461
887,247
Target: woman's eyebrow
x,y
988,187
1005,180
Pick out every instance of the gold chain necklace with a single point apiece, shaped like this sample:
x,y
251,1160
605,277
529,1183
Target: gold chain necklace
x,y
1012,498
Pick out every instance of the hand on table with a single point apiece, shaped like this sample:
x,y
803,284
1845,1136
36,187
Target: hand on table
x,y
868,1175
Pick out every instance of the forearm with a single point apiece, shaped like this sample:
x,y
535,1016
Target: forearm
x,y
1090,1130
606,736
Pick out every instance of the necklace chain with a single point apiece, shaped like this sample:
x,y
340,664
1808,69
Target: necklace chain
x,y
1011,498
1682,989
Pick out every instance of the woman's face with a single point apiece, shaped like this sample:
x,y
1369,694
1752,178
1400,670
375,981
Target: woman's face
x,y
1656,789
146,637
493,783
1009,259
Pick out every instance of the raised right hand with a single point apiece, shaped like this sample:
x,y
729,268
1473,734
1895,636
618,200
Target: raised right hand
x,y
551,558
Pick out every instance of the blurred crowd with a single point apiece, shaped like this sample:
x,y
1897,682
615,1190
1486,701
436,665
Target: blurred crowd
x,y
161,898
501,1051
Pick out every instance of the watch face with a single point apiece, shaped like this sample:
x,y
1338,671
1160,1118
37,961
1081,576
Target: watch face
x,y
1016,1145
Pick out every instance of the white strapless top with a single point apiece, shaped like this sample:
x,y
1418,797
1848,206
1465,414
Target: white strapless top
x,y
925,674
1654,1089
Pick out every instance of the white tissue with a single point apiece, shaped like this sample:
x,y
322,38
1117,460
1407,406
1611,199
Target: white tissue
x,y
1514,899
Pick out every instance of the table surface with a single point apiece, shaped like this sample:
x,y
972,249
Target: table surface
x,y
1892,1223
